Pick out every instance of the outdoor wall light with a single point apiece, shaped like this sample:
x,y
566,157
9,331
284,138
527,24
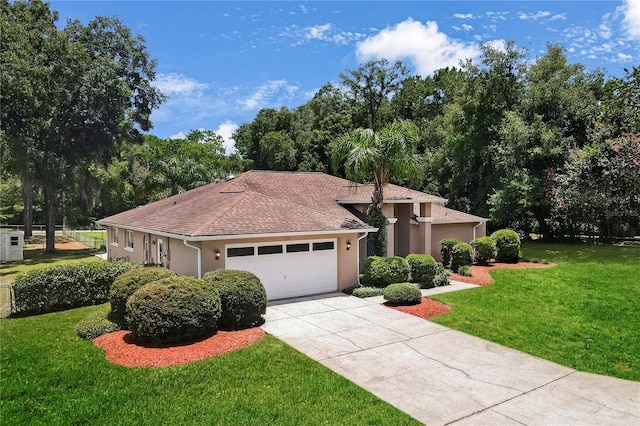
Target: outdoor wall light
x,y
348,245
153,242
217,254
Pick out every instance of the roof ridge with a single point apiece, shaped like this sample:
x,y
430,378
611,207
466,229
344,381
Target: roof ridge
x,y
239,196
316,211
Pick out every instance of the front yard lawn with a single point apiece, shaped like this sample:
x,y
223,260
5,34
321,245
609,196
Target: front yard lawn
x,y
35,258
584,313
50,376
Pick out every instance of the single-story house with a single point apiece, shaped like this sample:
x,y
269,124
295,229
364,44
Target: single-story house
x,y
300,233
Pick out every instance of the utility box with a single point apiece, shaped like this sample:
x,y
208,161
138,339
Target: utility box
x,y
11,245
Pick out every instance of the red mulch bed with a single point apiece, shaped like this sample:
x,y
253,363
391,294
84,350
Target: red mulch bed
x,y
427,308
120,348
481,273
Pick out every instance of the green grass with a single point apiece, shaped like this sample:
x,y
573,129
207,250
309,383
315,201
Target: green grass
x,y
35,258
95,234
50,376
583,313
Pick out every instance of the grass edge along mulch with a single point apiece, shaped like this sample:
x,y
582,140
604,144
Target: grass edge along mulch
x,y
120,348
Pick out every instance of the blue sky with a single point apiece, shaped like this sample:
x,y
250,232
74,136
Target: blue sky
x,y
220,62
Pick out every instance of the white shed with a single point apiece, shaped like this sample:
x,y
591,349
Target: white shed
x,y
11,245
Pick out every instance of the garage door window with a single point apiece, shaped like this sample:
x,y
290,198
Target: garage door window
x,y
270,249
323,246
240,251
297,248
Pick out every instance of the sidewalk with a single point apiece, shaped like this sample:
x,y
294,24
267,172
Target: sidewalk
x,y
442,376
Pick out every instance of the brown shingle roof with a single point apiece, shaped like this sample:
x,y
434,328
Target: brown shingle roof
x,y
443,214
261,202
359,193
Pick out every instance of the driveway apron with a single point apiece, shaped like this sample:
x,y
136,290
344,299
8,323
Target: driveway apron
x,y
441,376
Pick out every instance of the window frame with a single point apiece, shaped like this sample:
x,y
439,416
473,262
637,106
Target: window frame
x,y
128,240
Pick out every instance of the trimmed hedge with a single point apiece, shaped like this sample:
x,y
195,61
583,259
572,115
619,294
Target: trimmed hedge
x,y
507,244
441,279
127,284
367,291
465,271
382,271
423,269
446,248
243,298
96,324
402,294
461,255
484,249
175,309
66,286
366,276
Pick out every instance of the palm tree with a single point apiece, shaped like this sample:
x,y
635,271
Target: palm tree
x,y
379,157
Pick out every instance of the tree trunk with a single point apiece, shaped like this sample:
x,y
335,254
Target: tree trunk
x,y
547,234
50,203
27,200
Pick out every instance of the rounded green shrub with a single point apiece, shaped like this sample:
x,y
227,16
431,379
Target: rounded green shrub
x,y
484,249
382,271
461,255
423,269
465,271
96,324
446,248
67,286
507,244
243,297
367,291
402,294
366,279
174,309
127,284
441,279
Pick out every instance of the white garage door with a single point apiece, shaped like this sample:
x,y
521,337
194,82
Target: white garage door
x,y
288,268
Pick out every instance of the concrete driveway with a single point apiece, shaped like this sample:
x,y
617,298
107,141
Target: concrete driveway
x,y
441,376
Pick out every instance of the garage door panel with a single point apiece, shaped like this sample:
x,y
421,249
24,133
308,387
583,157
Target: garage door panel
x,y
291,274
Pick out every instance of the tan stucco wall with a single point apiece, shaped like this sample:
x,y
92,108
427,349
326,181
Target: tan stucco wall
x,y
459,231
183,259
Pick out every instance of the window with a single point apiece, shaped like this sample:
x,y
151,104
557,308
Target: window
x,y
128,239
240,251
270,249
297,248
14,241
323,246
114,236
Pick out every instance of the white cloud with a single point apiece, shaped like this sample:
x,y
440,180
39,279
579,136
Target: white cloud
x,y
499,45
559,17
325,32
497,16
467,27
179,135
534,16
226,130
604,31
178,84
463,15
631,20
423,44
317,32
263,94
623,57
